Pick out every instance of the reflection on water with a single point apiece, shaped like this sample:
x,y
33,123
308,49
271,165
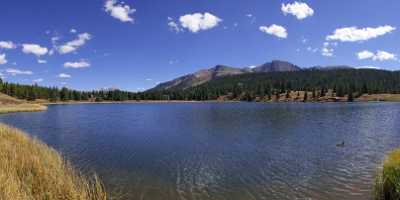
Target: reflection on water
x,y
232,151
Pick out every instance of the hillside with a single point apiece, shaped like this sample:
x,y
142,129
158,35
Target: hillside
x,y
10,104
333,83
206,75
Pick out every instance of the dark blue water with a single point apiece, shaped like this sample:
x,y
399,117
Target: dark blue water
x,y
232,151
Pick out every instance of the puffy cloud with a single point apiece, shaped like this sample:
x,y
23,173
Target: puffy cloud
x,y
38,80
327,49
73,30
173,26
15,72
365,55
299,9
378,56
119,10
34,49
73,45
3,59
40,61
354,34
312,50
278,31
63,75
197,21
80,64
383,55
7,45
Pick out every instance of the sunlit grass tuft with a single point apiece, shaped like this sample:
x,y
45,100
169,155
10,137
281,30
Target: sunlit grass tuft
x,y
388,181
25,107
31,170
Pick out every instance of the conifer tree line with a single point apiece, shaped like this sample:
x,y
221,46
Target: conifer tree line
x,y
247,87
53,94
350,83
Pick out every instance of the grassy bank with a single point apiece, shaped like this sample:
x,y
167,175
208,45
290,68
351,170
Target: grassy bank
x,y
388,181
31,170
24,107
10,104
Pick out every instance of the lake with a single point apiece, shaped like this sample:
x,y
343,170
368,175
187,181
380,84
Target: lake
x,y
223,151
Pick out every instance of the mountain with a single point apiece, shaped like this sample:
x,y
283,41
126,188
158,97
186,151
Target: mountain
x,y
276,66
206,75
200,77
326,68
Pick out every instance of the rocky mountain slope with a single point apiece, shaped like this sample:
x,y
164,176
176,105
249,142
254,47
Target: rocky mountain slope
x,y
207,75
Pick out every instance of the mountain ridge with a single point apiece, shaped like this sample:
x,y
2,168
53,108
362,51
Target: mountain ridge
x,y
205,75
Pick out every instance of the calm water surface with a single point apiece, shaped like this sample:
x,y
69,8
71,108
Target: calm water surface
x,y
232,151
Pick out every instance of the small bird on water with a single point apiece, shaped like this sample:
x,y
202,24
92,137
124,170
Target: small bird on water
x,y
341,144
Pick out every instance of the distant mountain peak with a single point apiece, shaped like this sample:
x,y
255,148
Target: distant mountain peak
x,y
276,66
205,75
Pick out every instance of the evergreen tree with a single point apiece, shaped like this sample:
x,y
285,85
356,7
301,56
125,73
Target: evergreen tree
x,y
305,99
350,97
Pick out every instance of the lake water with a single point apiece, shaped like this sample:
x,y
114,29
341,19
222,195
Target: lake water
x,y
232,151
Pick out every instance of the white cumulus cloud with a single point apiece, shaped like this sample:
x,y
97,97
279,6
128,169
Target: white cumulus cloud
x,y
197,21
63,75
40,61
278,31
34,49
327,49
354,34
173,26
3,59
378,56
79,64
383,55
15,72
119,10
7,45
38,80
299,9
73,45
365,55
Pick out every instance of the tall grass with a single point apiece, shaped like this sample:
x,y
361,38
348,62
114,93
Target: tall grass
x,y
24,107
388,181
30,170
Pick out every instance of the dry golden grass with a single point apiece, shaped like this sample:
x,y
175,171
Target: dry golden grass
x,y
380,97
5,99
24,107
388,181
30,170
10,104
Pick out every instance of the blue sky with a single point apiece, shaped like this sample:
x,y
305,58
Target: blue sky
x,y
135,44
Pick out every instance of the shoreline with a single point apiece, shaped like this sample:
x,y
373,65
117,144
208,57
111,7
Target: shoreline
x,y
25,171
184,102
41,105
24,107
222,99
